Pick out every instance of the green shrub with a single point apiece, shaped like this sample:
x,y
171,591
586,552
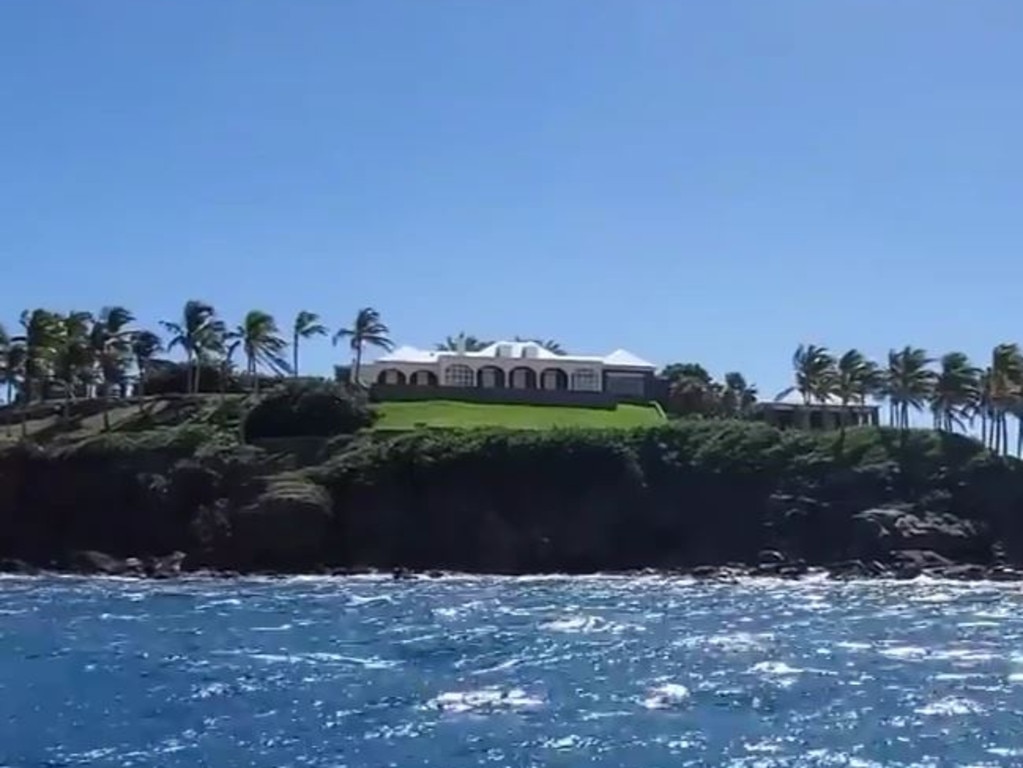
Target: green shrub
x,y
307,409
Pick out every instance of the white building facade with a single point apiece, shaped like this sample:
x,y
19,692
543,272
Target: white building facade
x,y
519,365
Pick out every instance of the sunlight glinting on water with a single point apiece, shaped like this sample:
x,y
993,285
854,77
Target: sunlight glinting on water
x,y
602,671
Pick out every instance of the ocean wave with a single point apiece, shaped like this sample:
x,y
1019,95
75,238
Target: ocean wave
x,y
463,672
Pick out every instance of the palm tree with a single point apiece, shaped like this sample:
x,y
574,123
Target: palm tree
x,y
7,374
199,333
814,369
110,343
261,344
367,329
692,391
307,325
1003,386
856,379
74,360
144,346
14,377
462,341
956,392
738,397
40,336
5,349
909,382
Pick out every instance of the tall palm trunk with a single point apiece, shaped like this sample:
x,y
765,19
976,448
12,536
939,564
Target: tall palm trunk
x,y
251,369
105,395
10,407
358,364
294,355
141,393
225,369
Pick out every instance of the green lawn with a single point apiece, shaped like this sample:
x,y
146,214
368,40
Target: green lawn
x,y
447,413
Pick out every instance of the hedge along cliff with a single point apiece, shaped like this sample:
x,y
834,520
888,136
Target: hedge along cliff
x,y
687,494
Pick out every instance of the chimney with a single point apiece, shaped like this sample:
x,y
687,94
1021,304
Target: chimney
x,y
460,345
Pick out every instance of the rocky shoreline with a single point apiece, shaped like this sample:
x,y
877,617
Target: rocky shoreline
x,y
704,499
907,566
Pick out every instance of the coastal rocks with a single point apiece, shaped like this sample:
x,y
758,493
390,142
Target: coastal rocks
x,y
879,532
91,562
14,565
719,499
167,567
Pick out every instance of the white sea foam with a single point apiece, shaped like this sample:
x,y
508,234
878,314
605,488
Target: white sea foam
x,y
666,696
587,624
950,706
484,700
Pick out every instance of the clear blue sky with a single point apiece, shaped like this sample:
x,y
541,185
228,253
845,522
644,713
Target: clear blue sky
x,y
694,181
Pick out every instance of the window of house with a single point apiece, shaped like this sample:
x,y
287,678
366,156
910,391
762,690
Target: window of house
x,y
585,380
490,377
628,384
423,378
459,376
551,379
519,378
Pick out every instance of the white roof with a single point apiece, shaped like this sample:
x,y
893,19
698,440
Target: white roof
x,y
517,348
407,354
620,358
795,398
624,359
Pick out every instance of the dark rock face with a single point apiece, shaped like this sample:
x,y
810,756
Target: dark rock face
x,y
715,499
13,565
893,530
284,529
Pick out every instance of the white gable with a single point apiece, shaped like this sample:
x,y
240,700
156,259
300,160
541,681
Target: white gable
x,y
526,349
622,358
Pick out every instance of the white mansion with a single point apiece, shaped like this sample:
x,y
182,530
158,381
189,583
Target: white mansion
x,y
520,365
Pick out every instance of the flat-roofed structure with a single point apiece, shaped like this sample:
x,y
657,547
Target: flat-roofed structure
x,y
792,411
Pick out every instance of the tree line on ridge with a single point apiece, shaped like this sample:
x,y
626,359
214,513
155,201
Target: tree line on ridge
x,y
98,354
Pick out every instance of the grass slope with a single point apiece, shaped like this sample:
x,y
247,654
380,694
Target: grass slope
x,y
446,413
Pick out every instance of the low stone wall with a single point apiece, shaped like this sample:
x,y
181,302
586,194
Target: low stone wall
x,y
404,392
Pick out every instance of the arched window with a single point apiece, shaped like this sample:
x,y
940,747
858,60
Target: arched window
x,y
391,376
585,380
424,379
491,377
522,378
459,376
553,378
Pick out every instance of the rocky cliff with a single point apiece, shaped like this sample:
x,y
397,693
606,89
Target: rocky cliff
x,y
686,496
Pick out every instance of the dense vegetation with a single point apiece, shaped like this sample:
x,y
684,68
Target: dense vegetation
x,y
689,493
307,410
81,354
281,476
956,392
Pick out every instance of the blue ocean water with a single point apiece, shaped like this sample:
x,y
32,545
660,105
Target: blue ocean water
x,y
509,672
